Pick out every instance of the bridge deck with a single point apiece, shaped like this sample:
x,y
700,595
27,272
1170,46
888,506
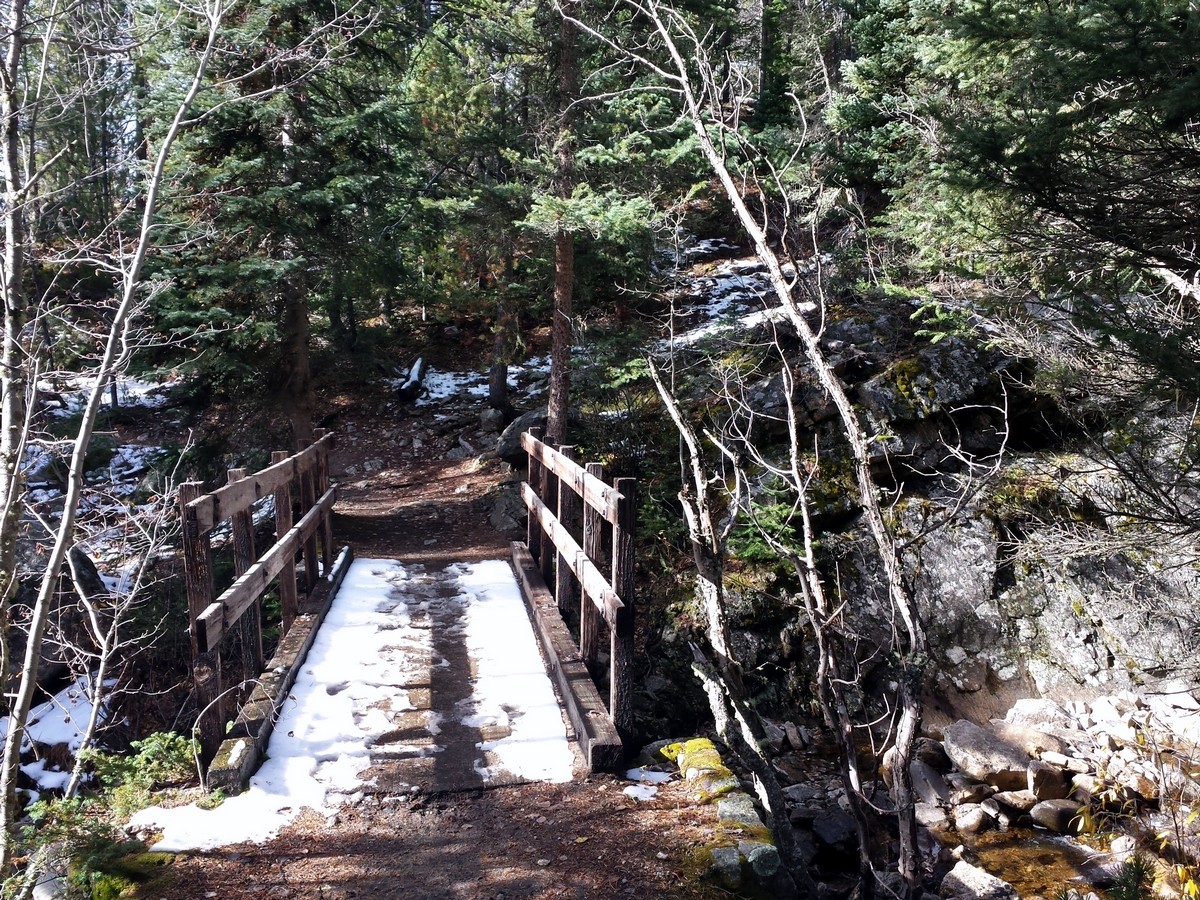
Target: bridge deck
x,y
417,681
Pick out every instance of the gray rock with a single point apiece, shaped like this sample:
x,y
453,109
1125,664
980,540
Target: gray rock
x,y
930,816
1057,815
928,785
508,447
763,858
508,510
797,736
800,793
968,882
1046,782
1032,740
1069,763
727,866
738,809
931,752
491,420
964,789
1039,713
776,737
835,828
970,818
1000,813
984,756
1021,801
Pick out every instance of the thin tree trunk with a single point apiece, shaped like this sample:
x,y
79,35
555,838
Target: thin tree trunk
x,y
564,239
911,639
13,360
117,346
498,372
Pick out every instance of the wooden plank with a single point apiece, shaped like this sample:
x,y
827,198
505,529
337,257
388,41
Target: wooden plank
x,y
594,729
620,675
226,609
592,580
217,506
593,545
321,473
547,490
594,491
308,501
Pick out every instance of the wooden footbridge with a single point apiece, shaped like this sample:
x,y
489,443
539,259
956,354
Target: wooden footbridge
x,y
574,571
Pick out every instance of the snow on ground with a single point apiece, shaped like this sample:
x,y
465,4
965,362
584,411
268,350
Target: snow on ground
x,y
130,392
438,385
511,687
60,720
352,678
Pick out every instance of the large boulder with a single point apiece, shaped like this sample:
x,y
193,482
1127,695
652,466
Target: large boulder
x,y
1060,816
986,757
1032,740
508,447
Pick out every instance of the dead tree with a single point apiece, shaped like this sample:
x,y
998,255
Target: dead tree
x,y
678,57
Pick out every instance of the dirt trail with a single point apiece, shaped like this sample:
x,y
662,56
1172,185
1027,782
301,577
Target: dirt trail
x,y
584,839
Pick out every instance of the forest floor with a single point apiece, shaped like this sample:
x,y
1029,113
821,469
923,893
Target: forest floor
x,y
582,839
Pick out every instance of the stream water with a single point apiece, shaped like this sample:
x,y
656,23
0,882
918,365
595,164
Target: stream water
x,y
1035,862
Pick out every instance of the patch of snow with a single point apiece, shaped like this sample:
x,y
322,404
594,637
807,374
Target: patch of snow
x,y
719,328
640,791
130,392
346,695
60,720
648,776
511,686
52,780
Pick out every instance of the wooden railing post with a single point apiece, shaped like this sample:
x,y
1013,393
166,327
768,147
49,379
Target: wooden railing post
x,y
206,667
621,672
322,479
593,547
533,531
244,556
564,582
308,499
546,489
283,523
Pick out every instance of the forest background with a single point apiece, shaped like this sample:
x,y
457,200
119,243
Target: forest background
x,y
247,195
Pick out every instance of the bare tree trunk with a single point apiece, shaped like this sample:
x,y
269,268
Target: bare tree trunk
x,y
701,104
498,372
13,359
297,378
116,350
738,725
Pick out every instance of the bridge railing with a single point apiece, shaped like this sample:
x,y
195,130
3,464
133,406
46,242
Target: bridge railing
x,y
303,506
576,520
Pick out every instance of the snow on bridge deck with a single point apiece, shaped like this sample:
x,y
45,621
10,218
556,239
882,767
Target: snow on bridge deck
x,y
416,681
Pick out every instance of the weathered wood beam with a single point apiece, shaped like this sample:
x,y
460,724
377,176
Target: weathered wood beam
x,y
594,729
217,506
591,579
225,610
600,496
